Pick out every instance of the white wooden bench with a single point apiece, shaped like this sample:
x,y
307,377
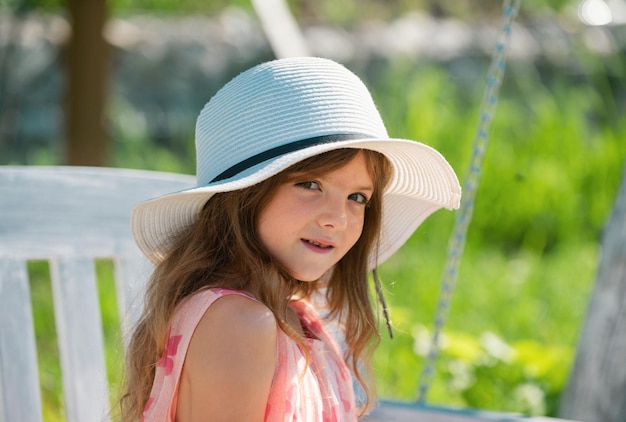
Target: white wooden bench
x,y
70,216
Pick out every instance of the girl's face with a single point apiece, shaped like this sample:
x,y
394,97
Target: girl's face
x,y
310,223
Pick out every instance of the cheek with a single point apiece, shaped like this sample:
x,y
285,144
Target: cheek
x,y
276,223
264,228
355,229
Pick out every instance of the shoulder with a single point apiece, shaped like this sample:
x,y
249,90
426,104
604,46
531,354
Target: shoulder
x,y
231,361
224,307
241,314
235,320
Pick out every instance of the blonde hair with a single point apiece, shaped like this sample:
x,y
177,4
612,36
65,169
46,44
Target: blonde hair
x,y
222,249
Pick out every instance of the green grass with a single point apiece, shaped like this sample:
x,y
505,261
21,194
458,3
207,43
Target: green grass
x,y
550,177
533,305
45,332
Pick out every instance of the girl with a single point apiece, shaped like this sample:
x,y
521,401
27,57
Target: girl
x,y
300,192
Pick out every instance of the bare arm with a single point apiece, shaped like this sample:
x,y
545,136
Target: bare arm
x,y
230,363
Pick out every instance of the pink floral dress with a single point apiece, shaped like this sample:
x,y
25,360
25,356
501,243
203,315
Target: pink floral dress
x,y
324,393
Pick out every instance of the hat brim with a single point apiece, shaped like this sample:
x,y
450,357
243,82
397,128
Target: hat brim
x,y
422,182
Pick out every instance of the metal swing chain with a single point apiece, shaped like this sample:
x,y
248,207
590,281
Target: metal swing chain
x,y
464,214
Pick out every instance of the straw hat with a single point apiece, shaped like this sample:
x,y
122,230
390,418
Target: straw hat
x,y
279,113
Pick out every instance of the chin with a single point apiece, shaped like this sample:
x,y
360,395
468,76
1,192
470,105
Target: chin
x,y
308,278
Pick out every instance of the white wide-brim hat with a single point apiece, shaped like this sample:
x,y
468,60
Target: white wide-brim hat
x,y
284,111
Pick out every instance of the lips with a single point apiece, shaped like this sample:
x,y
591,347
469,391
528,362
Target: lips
x,y
318,244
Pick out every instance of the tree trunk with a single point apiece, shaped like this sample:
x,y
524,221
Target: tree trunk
x,y
596,391
87,71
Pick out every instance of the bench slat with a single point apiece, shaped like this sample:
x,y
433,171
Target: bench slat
x,y
20,399
81,345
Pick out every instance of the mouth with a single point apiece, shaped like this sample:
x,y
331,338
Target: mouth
x,y
318,244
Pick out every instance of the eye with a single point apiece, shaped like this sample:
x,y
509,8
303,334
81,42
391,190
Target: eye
x,y
359,198
310,185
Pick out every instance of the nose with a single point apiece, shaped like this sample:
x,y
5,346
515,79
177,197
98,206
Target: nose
x,y
333,213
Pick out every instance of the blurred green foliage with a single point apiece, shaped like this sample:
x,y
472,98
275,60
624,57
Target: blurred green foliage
x,y
555,157
346,12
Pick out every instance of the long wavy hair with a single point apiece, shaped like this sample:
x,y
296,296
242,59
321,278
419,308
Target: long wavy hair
x,y
222,249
